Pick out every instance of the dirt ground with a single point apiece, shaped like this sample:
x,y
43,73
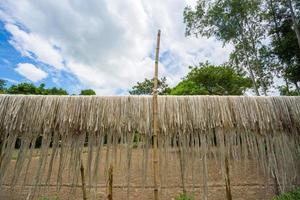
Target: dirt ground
x,y
246,184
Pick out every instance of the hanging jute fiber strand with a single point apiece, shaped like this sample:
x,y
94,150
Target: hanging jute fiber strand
x,y
54,131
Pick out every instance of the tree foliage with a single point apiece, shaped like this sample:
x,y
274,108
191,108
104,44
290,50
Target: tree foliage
x,y
259,31
284,91
2,86
284,43
29,88
87,92
236,22
146,87
207,79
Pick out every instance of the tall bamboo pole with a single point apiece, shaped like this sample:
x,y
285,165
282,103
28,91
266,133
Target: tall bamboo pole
x,y
84,197
110,183
227,179
181,170
155,120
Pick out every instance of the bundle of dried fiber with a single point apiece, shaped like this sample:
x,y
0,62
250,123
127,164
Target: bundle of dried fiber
x,y
192,130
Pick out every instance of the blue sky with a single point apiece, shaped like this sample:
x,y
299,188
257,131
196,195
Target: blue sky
x,y
11,57
104,45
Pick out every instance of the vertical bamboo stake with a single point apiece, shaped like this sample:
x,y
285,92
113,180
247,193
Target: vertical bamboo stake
x,y
110,183
227,180
276,184
155,120
83,182
181,170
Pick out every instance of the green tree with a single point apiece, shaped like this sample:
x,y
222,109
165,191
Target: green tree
x,y
2,86
294,19
238,22
55,91
146,87
87,92
207,79
283,28
284,91
286,48
22,88
29,88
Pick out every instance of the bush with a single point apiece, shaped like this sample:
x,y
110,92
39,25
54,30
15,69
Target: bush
x,y
184,196
293,195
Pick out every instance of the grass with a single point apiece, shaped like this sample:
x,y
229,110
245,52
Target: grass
x,y
293,195
184,196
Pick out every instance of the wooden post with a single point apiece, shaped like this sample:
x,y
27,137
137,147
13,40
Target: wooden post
x,y
181,169
276,184
155,120
110,183
83,182
227,180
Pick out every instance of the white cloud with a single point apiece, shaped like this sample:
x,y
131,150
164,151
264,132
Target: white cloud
x,y
108,44
30,72
32,45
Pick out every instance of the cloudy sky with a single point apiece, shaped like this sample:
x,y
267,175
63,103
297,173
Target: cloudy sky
x,y
106,45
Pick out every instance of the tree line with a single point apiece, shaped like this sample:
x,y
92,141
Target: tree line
x,y
29,88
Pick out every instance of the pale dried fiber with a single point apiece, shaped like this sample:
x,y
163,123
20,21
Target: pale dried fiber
x,y
192,131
